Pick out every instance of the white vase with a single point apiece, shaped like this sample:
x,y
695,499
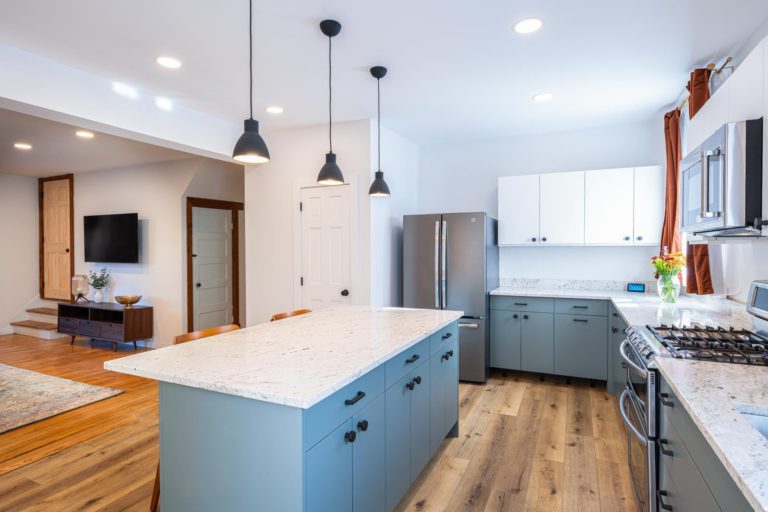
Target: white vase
x,y
98,296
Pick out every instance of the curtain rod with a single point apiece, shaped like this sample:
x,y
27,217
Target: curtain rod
x,y
711,67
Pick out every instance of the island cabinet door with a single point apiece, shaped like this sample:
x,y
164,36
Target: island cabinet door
x,y
329,472
444,394
505,339
398,460
420,444
368,460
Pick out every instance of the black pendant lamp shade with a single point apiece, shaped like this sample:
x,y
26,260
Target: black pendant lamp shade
x,y
250,147
330,174
379,187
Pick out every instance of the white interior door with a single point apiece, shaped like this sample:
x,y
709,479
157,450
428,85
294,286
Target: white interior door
x,y
650,195
211,267
325,246
609,208
562,208
519,210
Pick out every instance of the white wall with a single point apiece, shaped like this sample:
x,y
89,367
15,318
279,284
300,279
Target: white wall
x,y
272,208
400,163
19,231
463,177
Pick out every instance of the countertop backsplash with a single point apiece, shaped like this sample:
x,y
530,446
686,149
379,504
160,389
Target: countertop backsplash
x,y
572,284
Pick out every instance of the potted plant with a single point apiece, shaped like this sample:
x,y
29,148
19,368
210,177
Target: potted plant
x,y
98,281
668,268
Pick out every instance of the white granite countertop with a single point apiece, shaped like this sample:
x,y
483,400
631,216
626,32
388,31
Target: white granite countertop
x,y
711,393
297,361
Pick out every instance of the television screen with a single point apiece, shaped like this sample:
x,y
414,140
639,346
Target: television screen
x,y
112,238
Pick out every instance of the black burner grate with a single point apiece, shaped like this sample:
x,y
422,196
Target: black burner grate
x,y
714,344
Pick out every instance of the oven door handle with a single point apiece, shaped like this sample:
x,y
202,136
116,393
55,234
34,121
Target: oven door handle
x,y
623,400
623,351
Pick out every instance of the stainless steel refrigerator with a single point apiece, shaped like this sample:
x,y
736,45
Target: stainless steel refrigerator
x,y
451,261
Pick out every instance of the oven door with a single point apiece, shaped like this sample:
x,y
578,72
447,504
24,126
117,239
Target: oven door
x,y
641,453
642,383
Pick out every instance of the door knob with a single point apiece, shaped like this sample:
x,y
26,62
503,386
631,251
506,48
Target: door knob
x,y
344,293
198,285
67,250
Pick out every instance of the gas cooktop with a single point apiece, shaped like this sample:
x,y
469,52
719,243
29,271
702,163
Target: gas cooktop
x,y
713,344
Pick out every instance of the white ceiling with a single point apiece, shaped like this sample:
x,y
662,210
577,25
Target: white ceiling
x,y
457,70
57,150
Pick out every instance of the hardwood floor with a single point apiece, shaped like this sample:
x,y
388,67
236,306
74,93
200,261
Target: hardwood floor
x,y
525,444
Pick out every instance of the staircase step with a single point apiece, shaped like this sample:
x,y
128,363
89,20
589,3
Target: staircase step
x,y
32,324
44,311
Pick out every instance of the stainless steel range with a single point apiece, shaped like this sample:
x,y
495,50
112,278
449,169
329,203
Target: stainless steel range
x,y
639,402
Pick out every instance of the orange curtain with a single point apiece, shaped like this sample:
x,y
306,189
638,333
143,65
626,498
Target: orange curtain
x,y
699,277
670,230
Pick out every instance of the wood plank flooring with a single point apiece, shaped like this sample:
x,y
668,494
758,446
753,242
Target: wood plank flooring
x,y
525,444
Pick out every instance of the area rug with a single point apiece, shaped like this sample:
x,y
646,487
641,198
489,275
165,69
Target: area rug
x,y
27,396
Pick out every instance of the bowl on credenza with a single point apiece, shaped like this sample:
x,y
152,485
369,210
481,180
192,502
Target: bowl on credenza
x,y
127,300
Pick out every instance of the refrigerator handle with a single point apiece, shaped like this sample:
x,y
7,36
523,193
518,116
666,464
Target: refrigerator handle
x,y
437,263
443,266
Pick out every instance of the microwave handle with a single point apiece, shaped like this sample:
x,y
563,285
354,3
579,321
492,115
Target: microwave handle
x,y
705,213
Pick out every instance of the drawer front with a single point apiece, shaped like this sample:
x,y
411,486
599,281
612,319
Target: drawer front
x,y
535,304
325,416
581,346
442,337
67,325
88,328
400,365
112,332
581,307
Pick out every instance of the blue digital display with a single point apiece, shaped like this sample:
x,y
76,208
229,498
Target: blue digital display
x,y
636,287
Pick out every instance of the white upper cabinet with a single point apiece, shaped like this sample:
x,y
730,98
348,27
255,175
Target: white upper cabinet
x,y
650,193
609,209
561,219
519,210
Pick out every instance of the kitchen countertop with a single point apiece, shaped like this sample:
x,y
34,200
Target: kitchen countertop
x,y
710,392
295,362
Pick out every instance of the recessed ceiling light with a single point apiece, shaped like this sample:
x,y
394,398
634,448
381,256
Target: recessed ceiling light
x,y
23,146
528,25
84,134
169,62
164,103
125,90
544,96
274,110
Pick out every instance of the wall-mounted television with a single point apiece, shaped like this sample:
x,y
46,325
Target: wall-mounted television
x,y
112,238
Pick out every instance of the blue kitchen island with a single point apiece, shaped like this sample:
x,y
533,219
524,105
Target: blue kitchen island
x,y
335,411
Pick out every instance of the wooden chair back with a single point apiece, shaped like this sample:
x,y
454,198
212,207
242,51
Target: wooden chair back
x,y
204,333
281,316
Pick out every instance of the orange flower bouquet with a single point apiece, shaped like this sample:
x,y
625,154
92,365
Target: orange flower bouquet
x,y
667,268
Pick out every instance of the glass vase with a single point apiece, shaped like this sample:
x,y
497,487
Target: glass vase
x,y
669,288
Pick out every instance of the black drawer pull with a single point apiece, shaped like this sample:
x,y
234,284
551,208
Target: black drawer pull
x,y
521,303
447,335
410,385
525,317
661,495
417,379
663,443
582,320
447,355
614,330
515,316
580,307
352,401
412,359
362,425
350,436
668,403
450,353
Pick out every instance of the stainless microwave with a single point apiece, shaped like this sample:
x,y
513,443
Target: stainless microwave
x,y
721,183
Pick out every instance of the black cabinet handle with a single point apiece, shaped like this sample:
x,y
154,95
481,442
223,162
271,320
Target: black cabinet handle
x,y
412,359
198,285
544,239
447,335
640,239
663,443
615,315
627,238
668,403
344,293
521,303
447,355
450,353
350,436
515,316
525,317
417,379
614,330
580,307
410,385
661,495
362,425
533,239
581,320
352,401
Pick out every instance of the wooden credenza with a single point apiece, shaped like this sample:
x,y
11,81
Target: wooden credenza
x,y
110,322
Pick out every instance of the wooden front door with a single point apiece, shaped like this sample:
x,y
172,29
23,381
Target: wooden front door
x,y
56,255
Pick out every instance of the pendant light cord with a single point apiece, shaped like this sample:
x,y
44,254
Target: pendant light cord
x,y
250,52
378,116
330,98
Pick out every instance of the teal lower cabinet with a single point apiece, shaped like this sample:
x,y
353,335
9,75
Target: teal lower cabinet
x,y
537,343
617,374
357,450
691,476
581,346
506,339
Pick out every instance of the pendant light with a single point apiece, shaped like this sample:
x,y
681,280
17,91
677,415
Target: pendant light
x,y
379,187
250,147
330,174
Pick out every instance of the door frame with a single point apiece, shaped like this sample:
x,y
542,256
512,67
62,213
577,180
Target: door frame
x,y
41,229
216,204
